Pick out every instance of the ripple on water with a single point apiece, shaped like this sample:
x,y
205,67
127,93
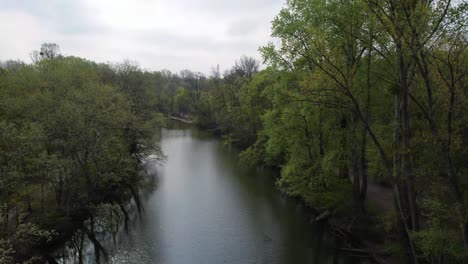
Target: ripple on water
x,y
134,256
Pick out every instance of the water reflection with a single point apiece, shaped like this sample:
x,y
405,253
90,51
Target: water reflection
x,y
208,208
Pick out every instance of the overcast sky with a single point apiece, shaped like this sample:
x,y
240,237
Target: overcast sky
x,y
159,34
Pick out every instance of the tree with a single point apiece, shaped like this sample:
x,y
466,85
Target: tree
x,y
71,139
47,51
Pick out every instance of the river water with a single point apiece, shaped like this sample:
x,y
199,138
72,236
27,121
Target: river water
x,y
209,209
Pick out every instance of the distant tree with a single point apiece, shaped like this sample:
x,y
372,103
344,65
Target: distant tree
x,y
47,51
182,100
12,65
215,73
50,50
247,66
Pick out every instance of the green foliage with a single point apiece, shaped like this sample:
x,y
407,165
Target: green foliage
x,y
437,243
360,91
182,100
355,91
71,138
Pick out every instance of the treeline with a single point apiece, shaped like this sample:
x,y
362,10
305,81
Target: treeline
x,y
73,136
358,92
355,93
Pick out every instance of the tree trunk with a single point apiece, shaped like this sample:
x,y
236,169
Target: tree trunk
x,y
363,165
406,170
343,168
320,133
363,161
354,172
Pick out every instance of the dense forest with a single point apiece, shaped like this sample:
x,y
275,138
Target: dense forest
x,y
73,135
359,93
355,94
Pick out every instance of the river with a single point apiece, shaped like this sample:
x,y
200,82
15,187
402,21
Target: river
x,y
208,208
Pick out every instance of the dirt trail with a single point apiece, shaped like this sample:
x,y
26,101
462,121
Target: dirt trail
x,y
380,196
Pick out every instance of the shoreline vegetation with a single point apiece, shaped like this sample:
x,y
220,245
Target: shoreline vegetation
x,y
73,135
362,108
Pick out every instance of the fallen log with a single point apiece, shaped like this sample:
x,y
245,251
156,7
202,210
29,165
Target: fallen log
x,y
323,216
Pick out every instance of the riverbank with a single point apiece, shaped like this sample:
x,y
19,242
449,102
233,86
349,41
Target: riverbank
x,y
210,208
359,235
71,140
364,236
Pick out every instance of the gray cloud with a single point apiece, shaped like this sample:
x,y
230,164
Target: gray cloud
x,y
196,44
64,16
176,34
230,8
243,27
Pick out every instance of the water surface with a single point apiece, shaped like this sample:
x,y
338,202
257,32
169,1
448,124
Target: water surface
x,y
208,208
